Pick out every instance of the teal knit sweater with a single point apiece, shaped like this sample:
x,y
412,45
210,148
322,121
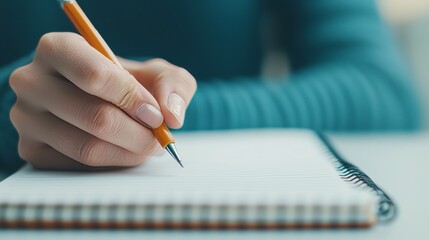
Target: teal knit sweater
x,y
345,74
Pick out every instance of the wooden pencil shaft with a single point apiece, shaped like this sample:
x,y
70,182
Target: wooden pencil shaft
x,y
88,31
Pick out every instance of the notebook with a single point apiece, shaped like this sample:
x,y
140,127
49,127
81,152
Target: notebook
x,y
262,179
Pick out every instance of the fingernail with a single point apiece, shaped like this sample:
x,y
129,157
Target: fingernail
x,y
149,115
177,106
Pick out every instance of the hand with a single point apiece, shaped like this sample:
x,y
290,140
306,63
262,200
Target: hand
x,y
75,109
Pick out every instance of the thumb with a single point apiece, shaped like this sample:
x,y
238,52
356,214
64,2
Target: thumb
x,y
173,87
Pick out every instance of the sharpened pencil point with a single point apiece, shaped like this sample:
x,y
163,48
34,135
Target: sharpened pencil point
x,y
171,149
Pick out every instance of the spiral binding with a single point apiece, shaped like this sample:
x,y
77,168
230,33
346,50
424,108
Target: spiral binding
x,y
387,209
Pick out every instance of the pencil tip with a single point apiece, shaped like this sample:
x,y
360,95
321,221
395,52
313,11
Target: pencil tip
x,y
171,149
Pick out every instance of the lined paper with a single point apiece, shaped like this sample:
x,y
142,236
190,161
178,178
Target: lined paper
x,y
231,167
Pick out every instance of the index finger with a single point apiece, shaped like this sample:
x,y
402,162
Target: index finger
x,y
72,57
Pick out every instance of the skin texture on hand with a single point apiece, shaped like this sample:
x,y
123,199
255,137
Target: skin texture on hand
x,y
75,109
169,84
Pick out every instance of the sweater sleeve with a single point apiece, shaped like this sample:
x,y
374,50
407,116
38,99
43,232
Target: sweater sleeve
x,y
346,75
9,159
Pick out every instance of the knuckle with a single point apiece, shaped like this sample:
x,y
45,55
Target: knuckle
x,y
160,61
97,76
48,42
13,115
38,164
188,80
16,75
19,78
18,118
181,72
55,44
26,151
89,151
71,36
23,151
103,80
127,97
104,121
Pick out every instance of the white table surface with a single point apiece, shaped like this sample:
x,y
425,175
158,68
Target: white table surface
x,y
397,162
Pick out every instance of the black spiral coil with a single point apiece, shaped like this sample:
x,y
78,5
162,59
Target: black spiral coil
x,y
387,209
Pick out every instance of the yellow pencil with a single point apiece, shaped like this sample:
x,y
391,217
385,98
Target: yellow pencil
x,y
88,31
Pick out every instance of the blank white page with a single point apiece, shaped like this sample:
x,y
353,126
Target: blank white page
x,y
270,166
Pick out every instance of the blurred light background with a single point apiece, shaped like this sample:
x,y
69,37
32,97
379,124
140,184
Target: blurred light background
x,y
409,20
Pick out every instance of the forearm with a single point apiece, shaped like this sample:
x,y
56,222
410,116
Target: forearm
x,y
9,159
329,97
346,75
